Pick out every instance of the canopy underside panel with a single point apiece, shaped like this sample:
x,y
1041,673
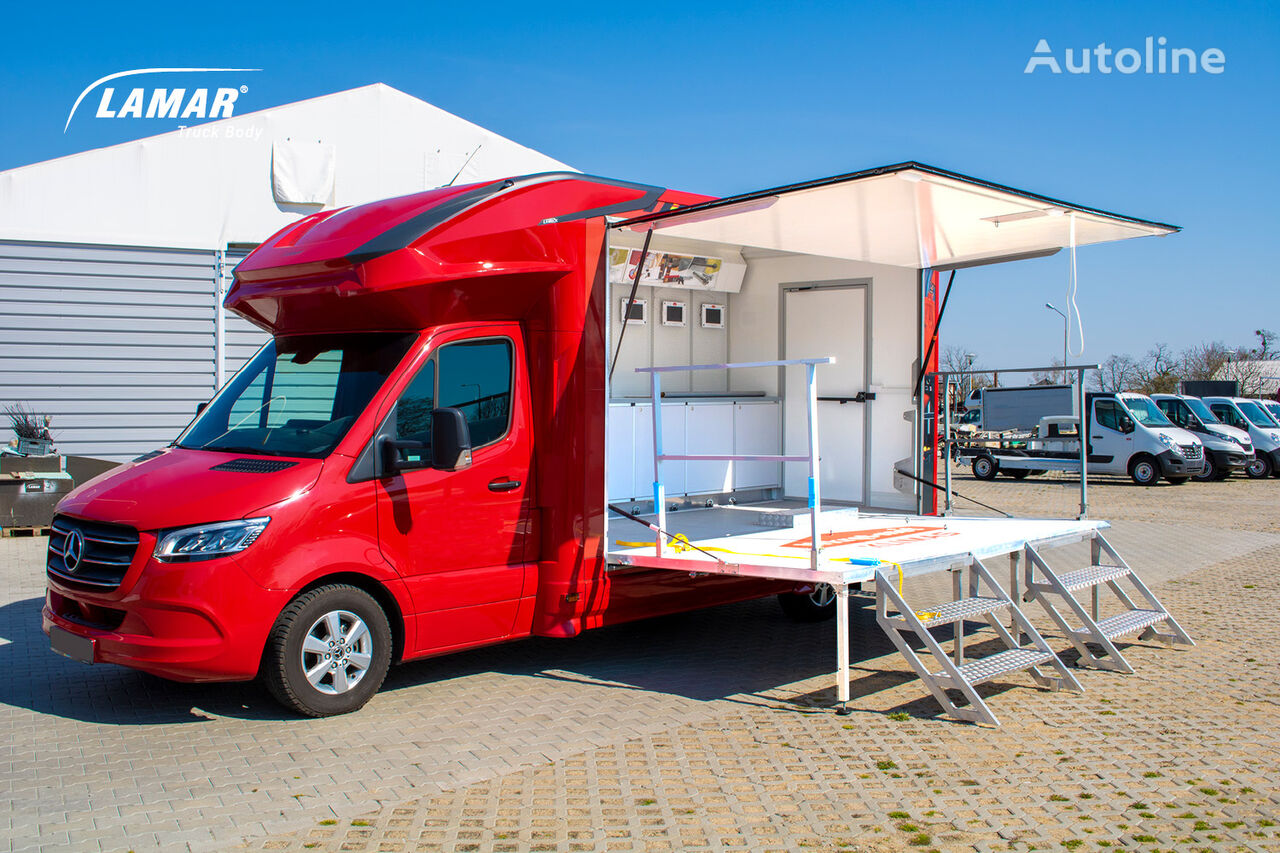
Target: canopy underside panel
x,y
908,216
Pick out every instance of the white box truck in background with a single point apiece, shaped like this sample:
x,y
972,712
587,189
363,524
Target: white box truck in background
x,y
1128,434
1020,408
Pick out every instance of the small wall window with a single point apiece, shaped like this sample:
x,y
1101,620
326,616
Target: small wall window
x,y
712,316
634,311
673,314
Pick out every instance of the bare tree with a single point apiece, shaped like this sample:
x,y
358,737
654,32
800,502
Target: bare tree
x,y
1266,349
1204,361
1157,371
1055,376
1118,373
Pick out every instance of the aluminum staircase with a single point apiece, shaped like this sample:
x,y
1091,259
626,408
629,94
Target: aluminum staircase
x,y
955,672
1047,587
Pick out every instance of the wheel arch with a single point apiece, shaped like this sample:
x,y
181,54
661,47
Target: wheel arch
x,y
386,600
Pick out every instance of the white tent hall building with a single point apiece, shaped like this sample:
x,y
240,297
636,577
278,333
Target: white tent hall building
x,y
114,262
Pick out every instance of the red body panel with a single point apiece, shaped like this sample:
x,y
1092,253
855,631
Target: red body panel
x,y
454,563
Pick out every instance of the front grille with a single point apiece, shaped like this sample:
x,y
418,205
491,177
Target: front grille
x,y
106,552
1191,451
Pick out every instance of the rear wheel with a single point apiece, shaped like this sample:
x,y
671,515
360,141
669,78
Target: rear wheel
x,y
328,652
1260,467
1020,473
985,468
1144,470
817,605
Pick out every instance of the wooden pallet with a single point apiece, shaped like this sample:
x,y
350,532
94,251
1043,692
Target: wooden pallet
x,y
16,532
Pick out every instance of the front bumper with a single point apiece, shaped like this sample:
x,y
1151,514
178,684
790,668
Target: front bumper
x,y
202,621
1175,465
1230,461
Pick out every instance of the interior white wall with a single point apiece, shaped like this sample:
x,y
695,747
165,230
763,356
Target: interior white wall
x,y
754,335
654,344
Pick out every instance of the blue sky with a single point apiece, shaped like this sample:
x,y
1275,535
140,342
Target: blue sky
x,y
723,98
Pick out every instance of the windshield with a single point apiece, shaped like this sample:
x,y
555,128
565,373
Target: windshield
x,y
1254,412
298,396
1273,409
1196,405
1146,412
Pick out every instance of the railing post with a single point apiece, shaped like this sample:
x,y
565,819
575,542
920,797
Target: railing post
x,y
1084,445
815,481
946,445
659,495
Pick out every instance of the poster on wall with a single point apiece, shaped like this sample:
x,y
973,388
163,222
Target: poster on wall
x,y
671,269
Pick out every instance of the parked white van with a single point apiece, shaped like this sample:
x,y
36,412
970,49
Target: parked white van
x,y
1226,449
1249,415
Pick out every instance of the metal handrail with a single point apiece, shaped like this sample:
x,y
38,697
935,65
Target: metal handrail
x,y
811,401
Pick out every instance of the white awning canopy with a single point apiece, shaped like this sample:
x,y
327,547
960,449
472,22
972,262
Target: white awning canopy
x,y
907,215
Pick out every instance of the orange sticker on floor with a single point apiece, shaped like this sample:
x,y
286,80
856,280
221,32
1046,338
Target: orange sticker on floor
x,y
877,536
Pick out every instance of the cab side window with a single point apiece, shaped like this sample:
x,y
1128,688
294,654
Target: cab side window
x,y
413,413
1175,410
475,377
1108,414
1226,414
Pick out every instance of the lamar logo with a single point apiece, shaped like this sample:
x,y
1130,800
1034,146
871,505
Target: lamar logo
x,y
877,536
195,103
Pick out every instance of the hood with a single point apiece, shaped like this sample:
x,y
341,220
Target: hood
x,y
177,487
1178,434
1229,433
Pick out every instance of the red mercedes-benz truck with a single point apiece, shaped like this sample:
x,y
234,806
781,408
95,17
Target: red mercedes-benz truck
x,y
413,465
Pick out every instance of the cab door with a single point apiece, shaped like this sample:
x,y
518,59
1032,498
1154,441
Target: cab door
x,y
1110,437
460,538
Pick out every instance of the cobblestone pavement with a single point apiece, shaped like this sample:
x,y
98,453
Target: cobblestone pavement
x,y
701,731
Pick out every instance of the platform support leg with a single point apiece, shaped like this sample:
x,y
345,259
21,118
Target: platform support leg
x,y
842,649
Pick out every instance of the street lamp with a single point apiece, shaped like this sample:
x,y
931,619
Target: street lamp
x,y
1064,337
968,365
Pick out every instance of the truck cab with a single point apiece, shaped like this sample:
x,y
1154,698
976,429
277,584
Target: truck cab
x,y
1249,416
1226,449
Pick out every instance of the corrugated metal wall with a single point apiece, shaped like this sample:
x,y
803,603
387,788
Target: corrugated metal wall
x,y
116,344
242,338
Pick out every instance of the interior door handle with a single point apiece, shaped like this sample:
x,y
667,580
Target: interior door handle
x,y
503,485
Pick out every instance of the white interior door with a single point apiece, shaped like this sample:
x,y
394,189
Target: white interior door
x,y
827,322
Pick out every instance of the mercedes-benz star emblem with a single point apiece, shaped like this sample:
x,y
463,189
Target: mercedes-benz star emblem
x,y
73,552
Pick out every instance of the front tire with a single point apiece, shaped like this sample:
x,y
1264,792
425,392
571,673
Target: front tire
x,y
329,651
1144,470
1210,471
818,605
1177,481
1259,468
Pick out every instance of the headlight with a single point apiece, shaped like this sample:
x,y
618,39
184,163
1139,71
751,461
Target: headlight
x,y
207,541
1275,436
1165,440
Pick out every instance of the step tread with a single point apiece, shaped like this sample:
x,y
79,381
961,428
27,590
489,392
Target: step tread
x,y
1092,576
1127,622
993,666
956,611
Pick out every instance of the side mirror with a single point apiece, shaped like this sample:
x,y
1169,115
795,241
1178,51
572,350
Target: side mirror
x,y
450,440
200,407
1126,424
387,461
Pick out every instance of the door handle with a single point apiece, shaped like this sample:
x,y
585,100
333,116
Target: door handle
x,y
505,485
